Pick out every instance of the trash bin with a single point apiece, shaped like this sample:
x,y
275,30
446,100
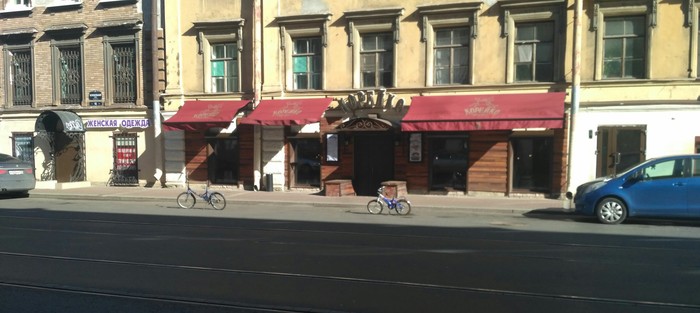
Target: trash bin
x,y
269,183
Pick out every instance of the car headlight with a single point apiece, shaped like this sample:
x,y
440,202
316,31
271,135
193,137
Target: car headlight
x,y
592,187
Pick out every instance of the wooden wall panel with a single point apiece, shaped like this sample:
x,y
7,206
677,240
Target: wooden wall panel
x,y
488,161
246,165
196,157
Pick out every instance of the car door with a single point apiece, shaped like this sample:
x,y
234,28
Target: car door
x,y
660,190
693,187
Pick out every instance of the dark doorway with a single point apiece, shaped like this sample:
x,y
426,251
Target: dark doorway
x,y
532,164
306,162
222,160
374,161
449,157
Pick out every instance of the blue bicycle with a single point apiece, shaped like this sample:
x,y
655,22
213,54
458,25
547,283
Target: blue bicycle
x,y
187,199
375,206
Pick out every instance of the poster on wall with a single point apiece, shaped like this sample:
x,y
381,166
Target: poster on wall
x,y
415,145
332,147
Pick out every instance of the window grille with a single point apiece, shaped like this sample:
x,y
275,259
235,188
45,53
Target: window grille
x,y
22,82
71,76
124,73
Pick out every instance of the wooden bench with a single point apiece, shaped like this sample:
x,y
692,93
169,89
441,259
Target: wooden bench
x,y
339,188
395,188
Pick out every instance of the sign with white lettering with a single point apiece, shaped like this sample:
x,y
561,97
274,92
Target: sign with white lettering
x,y
118,123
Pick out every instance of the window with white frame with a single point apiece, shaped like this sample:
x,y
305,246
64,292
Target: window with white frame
x,y
224,67
373,35
220,45
377,59
624,47
307,63
449,31
623,33
451,55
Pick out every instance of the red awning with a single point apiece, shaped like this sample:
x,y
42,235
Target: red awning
x,y
288,112
202,115
485,112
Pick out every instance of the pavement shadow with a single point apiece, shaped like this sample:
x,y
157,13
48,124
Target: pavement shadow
x,y
558,214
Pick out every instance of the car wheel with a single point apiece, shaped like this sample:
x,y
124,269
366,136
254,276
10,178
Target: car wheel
x,y
611,211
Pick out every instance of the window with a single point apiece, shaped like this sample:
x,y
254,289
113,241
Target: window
x,y
377,60
373,35
663,170
21,79
625,47
448,31
307,61
220,44
23,146
451,56
70,75
224,67
125,170
623,30
306,162
449,158
534,52
18,4
123,73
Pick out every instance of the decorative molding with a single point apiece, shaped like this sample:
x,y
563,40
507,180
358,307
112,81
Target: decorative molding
x,y
468,9
298,21
224,26
652,10
365,124
370,99
392,14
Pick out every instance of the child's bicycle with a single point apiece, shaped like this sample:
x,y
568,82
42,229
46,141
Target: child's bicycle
x,y
187,199
375,206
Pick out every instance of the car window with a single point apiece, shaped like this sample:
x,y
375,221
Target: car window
x,y
696,167
666,169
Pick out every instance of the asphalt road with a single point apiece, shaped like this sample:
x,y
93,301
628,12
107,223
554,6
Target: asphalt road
x,y
98,256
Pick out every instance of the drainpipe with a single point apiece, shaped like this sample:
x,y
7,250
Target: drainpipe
x,y
257,89
155,106
575,90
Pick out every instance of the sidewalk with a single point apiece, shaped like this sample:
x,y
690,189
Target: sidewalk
x,y
437,203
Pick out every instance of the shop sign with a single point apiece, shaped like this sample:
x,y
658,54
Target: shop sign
x,y
380,99
118,123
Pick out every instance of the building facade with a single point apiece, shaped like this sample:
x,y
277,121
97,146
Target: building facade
x,y
73,91
446,97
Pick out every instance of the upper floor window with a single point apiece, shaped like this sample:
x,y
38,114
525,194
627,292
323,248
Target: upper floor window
x,y
623,31
451,55
70,79
308,63
224,67
535,35
377,59
18,4
448,31
21,77
220,44
534,52
625,47
373,35
122,72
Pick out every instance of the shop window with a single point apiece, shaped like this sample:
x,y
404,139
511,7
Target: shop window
x,y
223,159
451,56
449,158
23,146
306,162
619,148
125,170
224,67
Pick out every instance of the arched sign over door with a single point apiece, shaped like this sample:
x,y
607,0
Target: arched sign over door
x,y
61,137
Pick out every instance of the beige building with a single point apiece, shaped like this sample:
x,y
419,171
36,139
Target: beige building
x,y
73,93
447,97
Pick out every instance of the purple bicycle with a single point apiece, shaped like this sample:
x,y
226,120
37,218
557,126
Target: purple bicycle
x,y
375,206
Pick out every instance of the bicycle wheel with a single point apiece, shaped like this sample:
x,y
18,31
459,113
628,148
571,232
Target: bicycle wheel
x,y
403,207
217,201
375,207
186,200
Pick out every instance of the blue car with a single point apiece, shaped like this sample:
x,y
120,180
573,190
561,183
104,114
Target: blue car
x,y
660,187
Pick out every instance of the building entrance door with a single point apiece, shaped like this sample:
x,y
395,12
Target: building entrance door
x,y
374,161
532,164
619,148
